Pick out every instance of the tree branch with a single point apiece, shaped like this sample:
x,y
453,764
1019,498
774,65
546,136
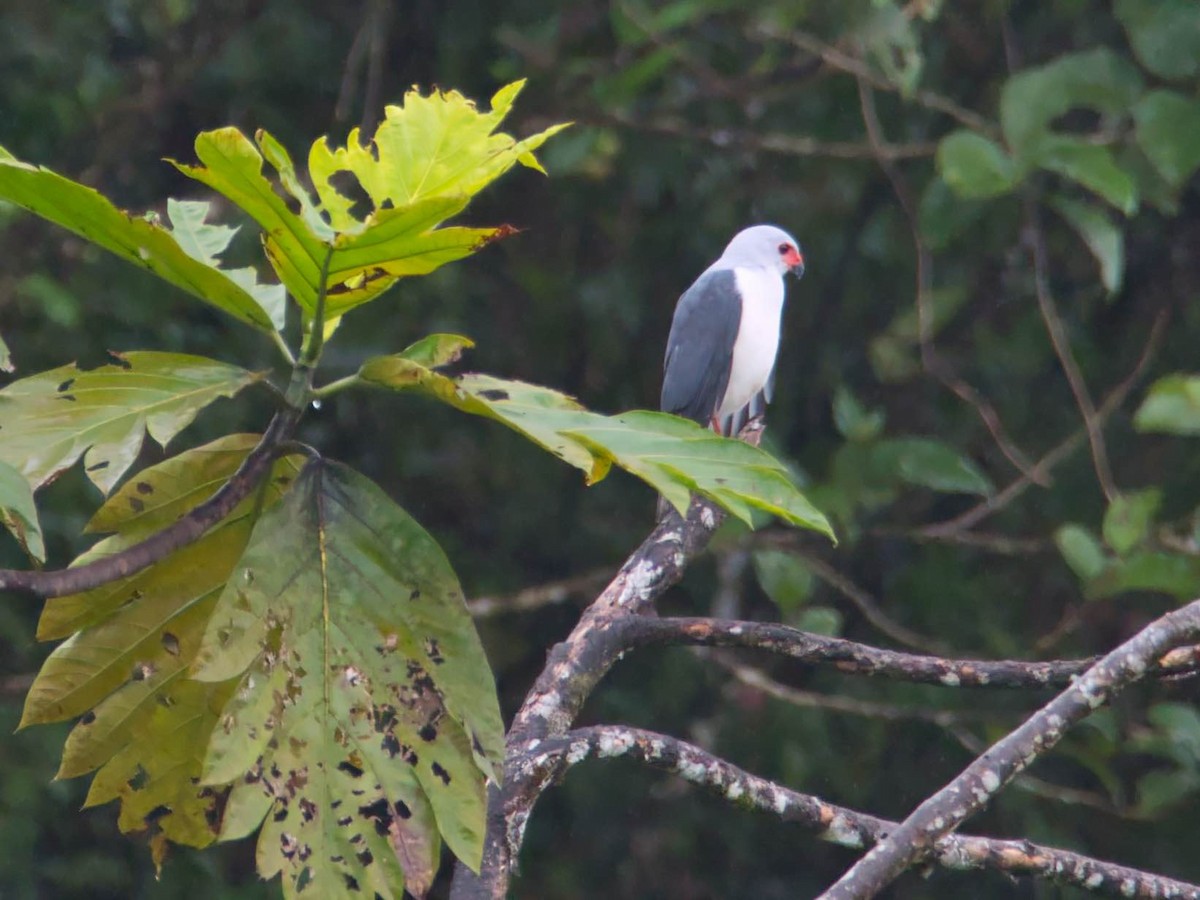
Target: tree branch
x,y
162,543
546,762
576,666
917,836
861,659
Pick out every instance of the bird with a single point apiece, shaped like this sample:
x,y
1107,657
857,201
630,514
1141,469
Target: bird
x,y
719,368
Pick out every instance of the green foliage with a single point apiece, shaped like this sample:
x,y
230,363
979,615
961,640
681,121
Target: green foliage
x,y
1102,236
674,456
1128,520
1165,35
140,240
975,166
53,418
1172,406
1081,550
785,579
1168,132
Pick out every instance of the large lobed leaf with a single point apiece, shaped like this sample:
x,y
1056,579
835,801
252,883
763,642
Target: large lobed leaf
x,y
365,711
428,158
145,725
49,420
674,456
139,240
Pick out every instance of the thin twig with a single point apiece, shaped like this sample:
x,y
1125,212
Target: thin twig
x,y
917,836
1062,349
539,596
546,763
861,599
852,706
784,144
931,360
852,65
1060,452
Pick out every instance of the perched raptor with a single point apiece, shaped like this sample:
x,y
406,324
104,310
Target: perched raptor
x,y
720,363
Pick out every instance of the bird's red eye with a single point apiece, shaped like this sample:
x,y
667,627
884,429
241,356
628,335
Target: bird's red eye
x,y
784,248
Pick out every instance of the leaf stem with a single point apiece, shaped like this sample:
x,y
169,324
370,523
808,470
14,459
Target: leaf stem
x,y
283,348
310,353
337,386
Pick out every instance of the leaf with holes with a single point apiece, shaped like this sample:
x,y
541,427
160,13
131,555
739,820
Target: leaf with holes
x,y
426,161
156,773
49,420
674,456
140,240
366,710
145,725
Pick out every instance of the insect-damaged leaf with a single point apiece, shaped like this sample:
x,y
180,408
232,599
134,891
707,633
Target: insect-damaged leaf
x,y
428,158
366,710
47,421
146,725
674,456
138,240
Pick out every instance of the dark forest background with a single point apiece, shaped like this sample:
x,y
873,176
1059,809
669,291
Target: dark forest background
x,y
693,119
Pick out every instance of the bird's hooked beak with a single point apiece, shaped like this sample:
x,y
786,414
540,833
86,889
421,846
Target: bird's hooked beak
x,y
795,262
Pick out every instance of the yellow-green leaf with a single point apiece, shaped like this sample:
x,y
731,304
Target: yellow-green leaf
x,y
428,158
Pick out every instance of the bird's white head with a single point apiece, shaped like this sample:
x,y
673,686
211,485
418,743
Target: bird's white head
x,y
763,246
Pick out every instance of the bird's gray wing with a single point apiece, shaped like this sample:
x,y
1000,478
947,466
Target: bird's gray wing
x,y
700,346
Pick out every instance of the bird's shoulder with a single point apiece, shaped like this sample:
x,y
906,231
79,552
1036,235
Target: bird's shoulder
x,y
714,288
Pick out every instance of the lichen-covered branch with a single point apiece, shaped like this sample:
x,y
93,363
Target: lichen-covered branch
x,y
918,835
862,659
573,669
180,533
548,760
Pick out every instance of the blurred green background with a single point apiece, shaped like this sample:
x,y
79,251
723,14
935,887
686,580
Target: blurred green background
x,y
693,119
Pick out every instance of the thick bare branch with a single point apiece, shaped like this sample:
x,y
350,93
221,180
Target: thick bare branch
x,y
917,836
548,760
162,543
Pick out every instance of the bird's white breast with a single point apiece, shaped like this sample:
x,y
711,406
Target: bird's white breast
x,y
757,338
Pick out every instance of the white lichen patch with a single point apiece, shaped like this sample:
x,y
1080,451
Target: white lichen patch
x,y
613,745
950,679
735,791
841,831
693,771
780,803
1094,881
707,519
991,780
545,706
577,752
